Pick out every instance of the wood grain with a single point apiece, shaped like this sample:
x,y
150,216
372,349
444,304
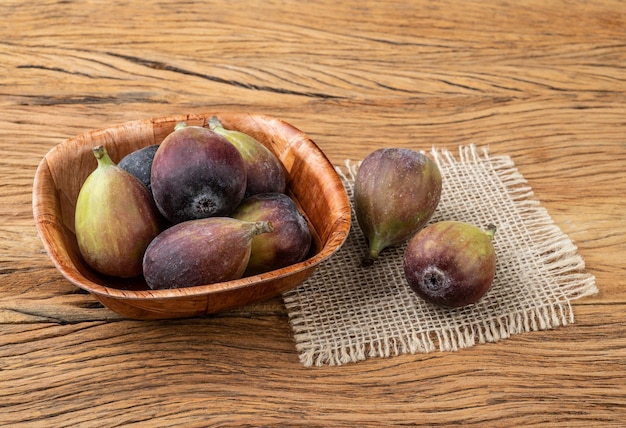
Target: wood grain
x,y
542,82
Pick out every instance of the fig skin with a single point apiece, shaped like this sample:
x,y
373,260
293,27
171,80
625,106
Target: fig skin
x,y
451,263
115,219
287,244
197,173
202,251
139,163
265,173
396,192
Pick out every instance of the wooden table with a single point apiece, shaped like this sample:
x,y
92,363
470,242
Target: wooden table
x,y
541,81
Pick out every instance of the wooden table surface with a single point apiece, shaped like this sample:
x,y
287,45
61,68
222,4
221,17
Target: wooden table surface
x,y
541,81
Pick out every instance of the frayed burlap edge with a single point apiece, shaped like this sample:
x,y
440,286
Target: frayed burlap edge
x,y
560,259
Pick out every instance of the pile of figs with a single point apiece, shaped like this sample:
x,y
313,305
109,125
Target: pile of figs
x,y
447,263
206,205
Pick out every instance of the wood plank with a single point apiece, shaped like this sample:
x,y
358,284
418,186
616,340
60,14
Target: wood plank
x,y
542,82
227,369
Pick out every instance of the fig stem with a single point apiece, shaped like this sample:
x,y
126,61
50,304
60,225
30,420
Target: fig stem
x,y
375,247
262,227
491,230
367,261
101,154
214,123
99,151
180,125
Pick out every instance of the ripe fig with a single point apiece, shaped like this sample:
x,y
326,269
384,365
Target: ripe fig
x,y
396,191
139,163
197,173
202,251
265,171
290,240
451,263
115,219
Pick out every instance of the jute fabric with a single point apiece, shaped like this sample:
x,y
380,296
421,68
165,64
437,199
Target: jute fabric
x,y
345,312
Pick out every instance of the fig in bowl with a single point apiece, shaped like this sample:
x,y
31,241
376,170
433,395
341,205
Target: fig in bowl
x,y
312,183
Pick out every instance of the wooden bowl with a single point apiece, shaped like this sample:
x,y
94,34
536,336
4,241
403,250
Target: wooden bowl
x,y
312,182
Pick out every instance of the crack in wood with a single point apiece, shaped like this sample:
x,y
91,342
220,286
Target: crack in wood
x,y
43,100
59,69
157,65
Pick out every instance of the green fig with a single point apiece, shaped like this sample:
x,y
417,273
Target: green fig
x,y
451,263
198,252
290,240
115,219
396,191
265,173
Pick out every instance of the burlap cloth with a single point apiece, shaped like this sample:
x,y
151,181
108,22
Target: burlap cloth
x,y
346,313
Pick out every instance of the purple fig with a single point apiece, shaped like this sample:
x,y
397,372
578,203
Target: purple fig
x,y
265,173
197,173
115,219
396,191
203,251
451,263
290,240
139,163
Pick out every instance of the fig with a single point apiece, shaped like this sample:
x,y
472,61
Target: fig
x,y
202,251
197,173
290,240
115,219
451,263
265,173
396,191
139,163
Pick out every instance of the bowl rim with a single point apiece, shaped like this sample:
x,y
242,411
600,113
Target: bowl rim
x,y
44,220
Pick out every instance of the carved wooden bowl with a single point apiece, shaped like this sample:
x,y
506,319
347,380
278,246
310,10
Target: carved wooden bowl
x,y
312,183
